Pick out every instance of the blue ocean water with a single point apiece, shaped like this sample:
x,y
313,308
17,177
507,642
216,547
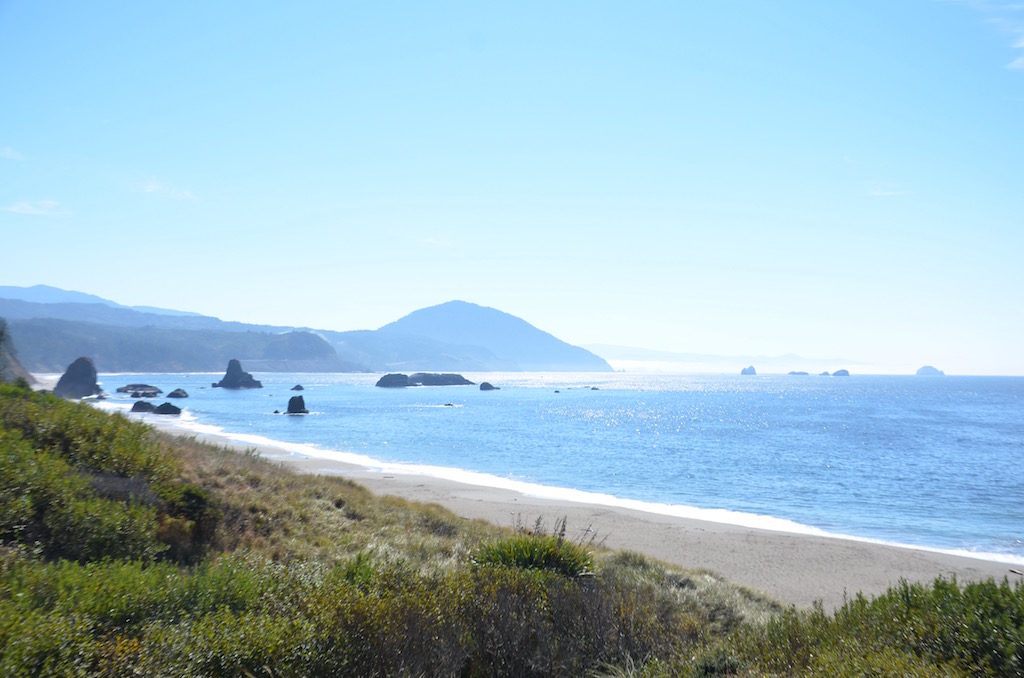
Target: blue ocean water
x,y
933,462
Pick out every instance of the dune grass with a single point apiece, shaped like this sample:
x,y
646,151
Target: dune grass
x,y
125,551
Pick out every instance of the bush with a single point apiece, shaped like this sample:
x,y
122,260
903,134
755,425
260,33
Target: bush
x,y
537,552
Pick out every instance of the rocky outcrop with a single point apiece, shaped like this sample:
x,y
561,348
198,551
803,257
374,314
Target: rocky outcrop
x,y
297,405
824,374
10,369
929,371
797,373
297,387
841,373
167,408
140,390
432,379
236,377
143,406
78,381
488,386
748,371
395,380
178,393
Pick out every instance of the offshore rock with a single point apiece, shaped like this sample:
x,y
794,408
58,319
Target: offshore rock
x,y
748,371
297,405
78,381
841,373
929,371
236,377
143,406
393,380
297,387
167,408
487,386
178,393
432,379
144,390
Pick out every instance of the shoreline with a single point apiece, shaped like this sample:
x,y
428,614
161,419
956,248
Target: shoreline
x,y
795,568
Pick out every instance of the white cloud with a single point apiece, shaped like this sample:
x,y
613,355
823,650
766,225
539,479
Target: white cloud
x,y
173,192
38,208
9,153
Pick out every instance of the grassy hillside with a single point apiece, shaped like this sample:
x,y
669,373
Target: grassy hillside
x,y
124,551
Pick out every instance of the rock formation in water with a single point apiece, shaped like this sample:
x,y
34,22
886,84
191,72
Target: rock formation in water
x,y
236,377
487,386
167,408
178,393
395,380
929,371
78,381
798,373
140,390
297,387
841,373
748,371
142,406
297,405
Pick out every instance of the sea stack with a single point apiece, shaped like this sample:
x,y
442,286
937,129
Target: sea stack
x,y
78,381
748,371
929,371
236,377
297,405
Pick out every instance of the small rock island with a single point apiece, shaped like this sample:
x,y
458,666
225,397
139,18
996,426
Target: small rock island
x,y
929,371
78,381
748,371
236,377
396,380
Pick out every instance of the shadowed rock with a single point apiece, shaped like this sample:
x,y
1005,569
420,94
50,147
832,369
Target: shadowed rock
x,y
167,408
143,406
297,405
78,381
393,380
487,386
177,393
297,387
236,377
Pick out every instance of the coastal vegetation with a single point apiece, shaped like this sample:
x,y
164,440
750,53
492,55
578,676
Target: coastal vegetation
x,y
127,551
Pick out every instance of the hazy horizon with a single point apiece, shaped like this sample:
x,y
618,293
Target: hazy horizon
x,y
727,180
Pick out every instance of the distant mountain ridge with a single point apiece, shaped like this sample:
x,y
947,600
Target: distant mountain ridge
x,y
51,326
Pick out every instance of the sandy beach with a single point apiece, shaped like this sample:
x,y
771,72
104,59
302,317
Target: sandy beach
x,y
794,569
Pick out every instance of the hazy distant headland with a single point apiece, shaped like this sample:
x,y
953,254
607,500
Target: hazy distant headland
x,y
52,327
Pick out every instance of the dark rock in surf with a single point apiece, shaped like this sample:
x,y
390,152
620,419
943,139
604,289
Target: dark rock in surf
x,y
177,393
144,390
297,405
236,377
78,381
167,408
142,406
297,387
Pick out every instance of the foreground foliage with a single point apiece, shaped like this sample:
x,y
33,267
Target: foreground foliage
x,y
123,551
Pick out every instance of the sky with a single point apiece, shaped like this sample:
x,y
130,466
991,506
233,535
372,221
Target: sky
x,y
732,178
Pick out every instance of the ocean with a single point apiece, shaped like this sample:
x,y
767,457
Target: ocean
x,y
932,462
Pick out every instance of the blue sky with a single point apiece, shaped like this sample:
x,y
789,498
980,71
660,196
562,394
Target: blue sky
x,y
733,178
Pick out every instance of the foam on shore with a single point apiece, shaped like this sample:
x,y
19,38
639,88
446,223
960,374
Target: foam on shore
x,y
187,423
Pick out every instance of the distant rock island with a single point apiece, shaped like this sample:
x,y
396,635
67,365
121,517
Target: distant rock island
x,y
236,377
841,373
748,371
798,373
297,405
395,380
929,371
78,381
488,386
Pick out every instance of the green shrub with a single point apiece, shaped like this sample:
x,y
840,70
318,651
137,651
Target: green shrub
x,y
537,552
